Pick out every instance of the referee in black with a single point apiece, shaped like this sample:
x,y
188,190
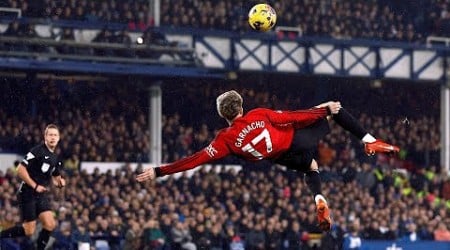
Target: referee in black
x,y
38,169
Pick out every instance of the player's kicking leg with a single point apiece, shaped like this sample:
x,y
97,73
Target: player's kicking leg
x,y
349,123
371,144
379,146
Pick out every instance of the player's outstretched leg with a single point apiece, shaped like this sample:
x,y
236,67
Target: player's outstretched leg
x,y
379,146
313,181
371,144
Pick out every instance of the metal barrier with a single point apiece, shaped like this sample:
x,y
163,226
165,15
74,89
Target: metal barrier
x,y
399,245
145,54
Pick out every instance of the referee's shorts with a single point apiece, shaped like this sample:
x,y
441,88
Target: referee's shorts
x,y
32,204
304,146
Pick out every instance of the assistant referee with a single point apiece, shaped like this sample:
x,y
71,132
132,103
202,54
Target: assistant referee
x,y
38,170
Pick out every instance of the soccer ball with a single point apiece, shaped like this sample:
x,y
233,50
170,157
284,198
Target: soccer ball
x,y
262,17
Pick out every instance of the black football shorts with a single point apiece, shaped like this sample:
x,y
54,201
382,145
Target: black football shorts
x,y
32,205
304,146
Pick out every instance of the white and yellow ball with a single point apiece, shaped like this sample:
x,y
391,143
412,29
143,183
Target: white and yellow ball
x,y
262,17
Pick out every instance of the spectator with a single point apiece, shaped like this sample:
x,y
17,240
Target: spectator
x,y
116,231
292,239
442,233
132,240
141,23
63,237
81,236
66,35
445,189
365,176
217,238
353,239
373,232
273,236
182,237
72,165
15,29
201,237
237,243
155,37
427,231
255,238
123,37
153,237
105,36
393,232
411,234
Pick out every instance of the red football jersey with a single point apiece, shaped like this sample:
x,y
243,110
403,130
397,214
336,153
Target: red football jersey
x,y
259,134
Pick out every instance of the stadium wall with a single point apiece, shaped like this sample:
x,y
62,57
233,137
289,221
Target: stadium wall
x,y
104,167
398,245
7,161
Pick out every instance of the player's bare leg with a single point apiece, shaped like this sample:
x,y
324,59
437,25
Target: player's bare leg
x,y
314,184
48,225
29,227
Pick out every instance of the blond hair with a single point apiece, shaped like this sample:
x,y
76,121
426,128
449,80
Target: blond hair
x,y
50,126
229,104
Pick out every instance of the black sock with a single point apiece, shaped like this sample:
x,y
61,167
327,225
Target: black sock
x,y
13,232
42,239
349,123
312,179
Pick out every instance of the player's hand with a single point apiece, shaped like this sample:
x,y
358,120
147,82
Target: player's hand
x,y
62,183
41,189
59,182
147,174
334,107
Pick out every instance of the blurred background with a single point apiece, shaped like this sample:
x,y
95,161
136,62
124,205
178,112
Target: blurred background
x,y
132,84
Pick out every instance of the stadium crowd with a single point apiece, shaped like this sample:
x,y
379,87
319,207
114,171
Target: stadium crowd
x,y
378,198
410,21
123,113
259,209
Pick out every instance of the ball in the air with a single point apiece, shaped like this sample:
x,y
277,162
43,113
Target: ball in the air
x,y
262,17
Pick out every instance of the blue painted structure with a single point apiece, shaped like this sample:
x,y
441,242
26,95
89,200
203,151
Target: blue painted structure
x,y
223,52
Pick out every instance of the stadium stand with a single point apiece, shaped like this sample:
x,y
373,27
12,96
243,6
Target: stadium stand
x,y
375,19
109,205
202,203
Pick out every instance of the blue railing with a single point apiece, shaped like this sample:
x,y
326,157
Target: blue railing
x,y
224,51
399,245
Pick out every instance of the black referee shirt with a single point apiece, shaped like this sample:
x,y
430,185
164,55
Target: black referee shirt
x,y
42,164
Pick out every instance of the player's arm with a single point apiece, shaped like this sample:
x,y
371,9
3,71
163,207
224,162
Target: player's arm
x,y
58,181
23,174
304,117
333,106
215,151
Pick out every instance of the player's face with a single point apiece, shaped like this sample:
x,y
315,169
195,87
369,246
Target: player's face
x,y
51,137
